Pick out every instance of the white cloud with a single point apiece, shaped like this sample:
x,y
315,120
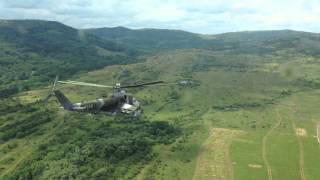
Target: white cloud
x,y
204,16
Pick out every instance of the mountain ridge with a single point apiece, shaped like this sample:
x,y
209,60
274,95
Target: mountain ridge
x,y
164,39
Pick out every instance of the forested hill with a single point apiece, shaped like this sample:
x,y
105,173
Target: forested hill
x,y
239,42
33,51
152,39
271,41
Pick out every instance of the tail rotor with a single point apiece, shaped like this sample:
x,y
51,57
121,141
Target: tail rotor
x,y
52,90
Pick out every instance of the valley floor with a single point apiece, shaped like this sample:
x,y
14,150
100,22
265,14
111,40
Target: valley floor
x,y
288,149
247,117
284,145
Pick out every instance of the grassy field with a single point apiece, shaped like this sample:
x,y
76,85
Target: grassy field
x,y
249,117
288,150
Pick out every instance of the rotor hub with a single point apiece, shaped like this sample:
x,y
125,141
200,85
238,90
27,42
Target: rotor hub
x,y
117,86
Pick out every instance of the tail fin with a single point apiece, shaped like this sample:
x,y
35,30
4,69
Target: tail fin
x,y
64,101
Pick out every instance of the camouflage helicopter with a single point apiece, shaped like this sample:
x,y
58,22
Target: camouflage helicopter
x,y
118,102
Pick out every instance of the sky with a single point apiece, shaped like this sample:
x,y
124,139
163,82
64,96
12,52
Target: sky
x,y
199,16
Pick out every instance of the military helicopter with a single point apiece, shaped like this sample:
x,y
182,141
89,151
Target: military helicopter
x,y
118,102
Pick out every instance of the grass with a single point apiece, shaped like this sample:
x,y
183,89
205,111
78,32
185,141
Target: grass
x,y
282,146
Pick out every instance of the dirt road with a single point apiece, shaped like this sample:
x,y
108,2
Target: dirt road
x,y
264,146
213,161
295,109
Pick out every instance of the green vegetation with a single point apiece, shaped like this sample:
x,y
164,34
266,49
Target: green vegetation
x,y
69,145
33,52
251,115
150,40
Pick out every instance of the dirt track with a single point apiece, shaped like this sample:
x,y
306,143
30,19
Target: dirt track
x,y
295,109
264,149
301,155
213,161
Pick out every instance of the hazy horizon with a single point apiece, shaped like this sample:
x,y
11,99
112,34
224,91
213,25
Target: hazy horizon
x,y
145,28
202,16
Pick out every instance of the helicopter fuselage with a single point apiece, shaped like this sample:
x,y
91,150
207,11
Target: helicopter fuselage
x,y
119,102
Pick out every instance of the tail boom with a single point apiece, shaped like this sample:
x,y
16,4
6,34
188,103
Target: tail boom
x,y
63,100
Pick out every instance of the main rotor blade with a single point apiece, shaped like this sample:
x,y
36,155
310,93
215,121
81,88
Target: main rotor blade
x,y
52,90
84,84
54,84
142,84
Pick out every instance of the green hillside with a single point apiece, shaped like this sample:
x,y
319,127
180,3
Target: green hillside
x,y
270,41
32,52
152,39
253,114
239,42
